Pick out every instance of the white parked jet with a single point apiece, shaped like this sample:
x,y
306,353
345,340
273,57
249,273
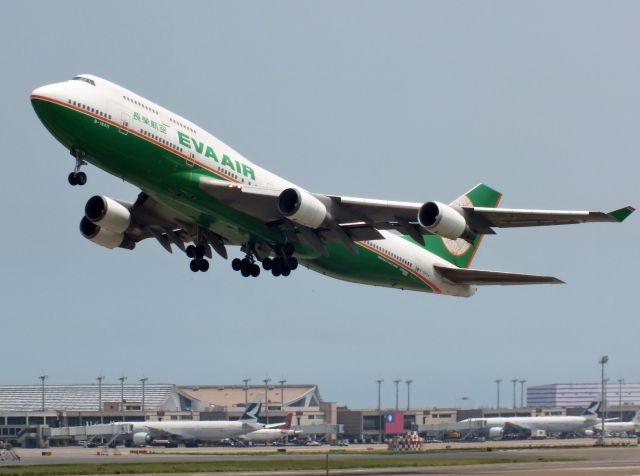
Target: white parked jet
x,y
498,426
145,433
618,427
272,432
196,189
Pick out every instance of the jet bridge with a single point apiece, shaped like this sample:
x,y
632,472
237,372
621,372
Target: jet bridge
x,y
89,432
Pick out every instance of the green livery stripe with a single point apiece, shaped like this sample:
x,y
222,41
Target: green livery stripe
x,y
219,173
422,278
622,214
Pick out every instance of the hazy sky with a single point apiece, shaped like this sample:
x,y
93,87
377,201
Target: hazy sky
x,y
407,101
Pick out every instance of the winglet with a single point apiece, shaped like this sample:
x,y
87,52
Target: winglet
x,y
622,213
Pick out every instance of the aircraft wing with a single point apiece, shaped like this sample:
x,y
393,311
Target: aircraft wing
x,y
511,218
353,213
159,432
481,277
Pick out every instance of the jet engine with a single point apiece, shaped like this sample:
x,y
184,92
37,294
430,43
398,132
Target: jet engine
x,y
105,222
496,432
444,221
141,438
302,207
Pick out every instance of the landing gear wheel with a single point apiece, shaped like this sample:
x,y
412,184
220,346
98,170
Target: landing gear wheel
x,y
286,272
191,251
267,264
81,178
72,179
245,271
275,272
236,264
200,251
203,265
292,263
255,270
276,267
194,265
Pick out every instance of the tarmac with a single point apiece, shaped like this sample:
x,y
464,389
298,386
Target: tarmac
x,y
585,458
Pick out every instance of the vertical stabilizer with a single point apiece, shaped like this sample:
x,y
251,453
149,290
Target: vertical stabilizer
x,y
592,409
460,252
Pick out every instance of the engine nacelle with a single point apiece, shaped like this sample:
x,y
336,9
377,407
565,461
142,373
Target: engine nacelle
x,y
444,221
107,213
496,432
104,237
141,438
302,207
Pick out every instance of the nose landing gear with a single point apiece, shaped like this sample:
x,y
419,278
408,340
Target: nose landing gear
x,y
77,177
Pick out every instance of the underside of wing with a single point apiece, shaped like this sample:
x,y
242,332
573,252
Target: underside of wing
x,y
479,277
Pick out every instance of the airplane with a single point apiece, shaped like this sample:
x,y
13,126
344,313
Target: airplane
x,y
498,426
144,433
617,427
272,432
196,189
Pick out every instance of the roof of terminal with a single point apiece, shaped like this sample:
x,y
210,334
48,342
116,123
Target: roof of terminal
x,y
24,398
230,396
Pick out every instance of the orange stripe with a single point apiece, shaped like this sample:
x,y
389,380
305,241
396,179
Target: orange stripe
x,y
142,136
435,288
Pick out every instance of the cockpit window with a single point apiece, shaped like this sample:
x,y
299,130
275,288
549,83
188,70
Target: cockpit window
x,y
86,80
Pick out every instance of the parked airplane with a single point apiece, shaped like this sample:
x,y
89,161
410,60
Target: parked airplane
x,y
618,427
196,189
272,432
498,426
147,432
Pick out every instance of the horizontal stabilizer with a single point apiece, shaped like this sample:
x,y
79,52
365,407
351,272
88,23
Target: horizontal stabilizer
x,y
481,277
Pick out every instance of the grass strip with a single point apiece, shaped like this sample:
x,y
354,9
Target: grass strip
x,y
232,466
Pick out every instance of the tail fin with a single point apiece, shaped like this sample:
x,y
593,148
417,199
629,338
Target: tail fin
x,y
592,409
636,418
287,424
460,252
252,412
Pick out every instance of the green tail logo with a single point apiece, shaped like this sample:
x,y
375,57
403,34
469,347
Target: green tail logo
x,y
460,252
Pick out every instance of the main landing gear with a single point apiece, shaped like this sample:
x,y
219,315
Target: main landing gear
x,y
199,262
283,263
76,177
247,265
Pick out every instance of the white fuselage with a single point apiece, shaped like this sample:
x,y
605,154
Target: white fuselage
x,y
550,424
269,434
194,430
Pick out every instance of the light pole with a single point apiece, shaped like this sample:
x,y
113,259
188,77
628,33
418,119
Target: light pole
x,y
266,400
514,381
246,391
143,380
397,382
408,382
498,381
603,360
282,382
379,382
43,377
606,398
620,382
122,379
100,378
522,382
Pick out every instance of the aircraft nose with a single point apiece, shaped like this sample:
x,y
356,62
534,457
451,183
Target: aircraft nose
x,y
47,91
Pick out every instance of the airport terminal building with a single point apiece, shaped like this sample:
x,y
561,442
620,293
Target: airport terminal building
x,y
25,410
574,395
